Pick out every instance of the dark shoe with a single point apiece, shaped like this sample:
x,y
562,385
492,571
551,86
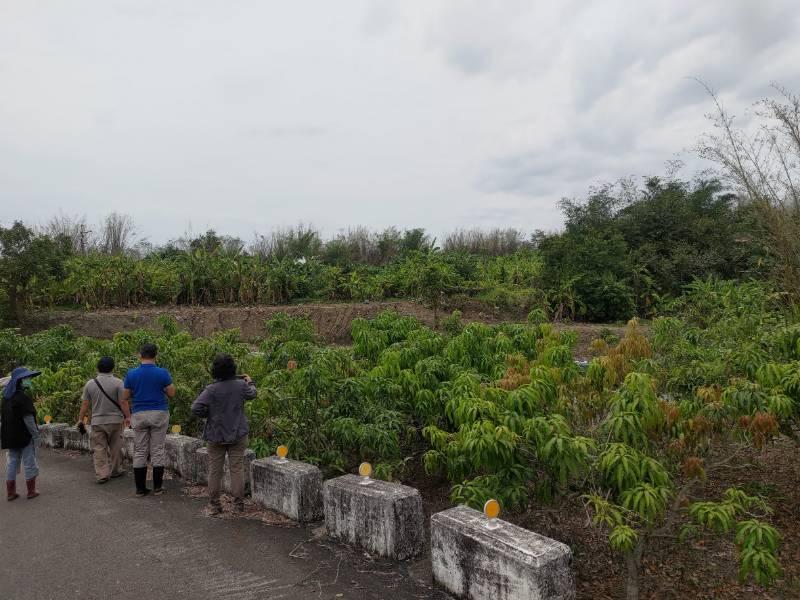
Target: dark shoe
x,y
11,490
158,481
102,480
140,477
115,475
32,493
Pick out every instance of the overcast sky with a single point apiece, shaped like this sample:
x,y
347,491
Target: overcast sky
x,y
247,115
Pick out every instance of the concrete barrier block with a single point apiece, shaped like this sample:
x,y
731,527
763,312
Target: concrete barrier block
x,y
52,435
73,440
201,469
180,454
385,519
473,562
290,487
127,444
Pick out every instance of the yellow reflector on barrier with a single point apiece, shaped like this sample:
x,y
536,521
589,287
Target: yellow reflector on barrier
x,y
47,419
365,469
491,509
176,429
282,451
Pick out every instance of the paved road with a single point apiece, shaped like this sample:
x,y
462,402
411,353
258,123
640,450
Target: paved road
x,y
83,540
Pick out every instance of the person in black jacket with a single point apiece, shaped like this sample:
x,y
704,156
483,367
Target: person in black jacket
x,y
19,433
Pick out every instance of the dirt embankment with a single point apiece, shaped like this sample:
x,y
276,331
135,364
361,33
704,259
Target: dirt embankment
x,y
332,321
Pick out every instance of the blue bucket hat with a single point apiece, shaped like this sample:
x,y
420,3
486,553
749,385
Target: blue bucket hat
x,y
16,376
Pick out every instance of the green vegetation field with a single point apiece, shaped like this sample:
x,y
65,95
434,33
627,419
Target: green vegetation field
x,y
504,411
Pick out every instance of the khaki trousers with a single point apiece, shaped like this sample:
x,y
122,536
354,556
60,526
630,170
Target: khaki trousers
x,y
216,467
107,449
149,437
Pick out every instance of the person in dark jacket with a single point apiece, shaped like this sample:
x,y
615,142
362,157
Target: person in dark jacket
x,y
222,405
19,433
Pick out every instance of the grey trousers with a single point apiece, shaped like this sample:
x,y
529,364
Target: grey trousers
x,y
149,435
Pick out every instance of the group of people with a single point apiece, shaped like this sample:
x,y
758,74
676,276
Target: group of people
x,y
140,401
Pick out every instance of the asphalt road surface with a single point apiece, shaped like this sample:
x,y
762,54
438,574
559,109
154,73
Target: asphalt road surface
x,y
83,540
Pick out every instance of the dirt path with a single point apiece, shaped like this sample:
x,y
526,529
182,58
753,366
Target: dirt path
x,y
331,320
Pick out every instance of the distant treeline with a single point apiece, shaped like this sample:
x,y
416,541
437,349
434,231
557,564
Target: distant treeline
x,y
623,251
626,249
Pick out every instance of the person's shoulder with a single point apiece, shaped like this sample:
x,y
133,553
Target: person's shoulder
x,y
131,375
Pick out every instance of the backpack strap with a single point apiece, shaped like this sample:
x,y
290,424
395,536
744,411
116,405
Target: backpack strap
x,y
105,393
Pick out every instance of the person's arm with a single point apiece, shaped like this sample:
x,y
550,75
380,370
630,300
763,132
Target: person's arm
x,y
124,405
84,404
200,405
169,387
30,423
126,392
82,413
250,391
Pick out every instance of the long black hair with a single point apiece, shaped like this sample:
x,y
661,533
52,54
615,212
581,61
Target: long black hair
x,y
223,367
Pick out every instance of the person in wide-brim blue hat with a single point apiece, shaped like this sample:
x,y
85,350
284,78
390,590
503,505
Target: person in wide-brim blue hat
x,y
19,433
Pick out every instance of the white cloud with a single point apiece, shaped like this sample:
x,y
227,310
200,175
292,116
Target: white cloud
x,y
444,114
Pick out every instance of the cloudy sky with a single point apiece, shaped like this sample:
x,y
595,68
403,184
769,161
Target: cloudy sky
x,y
249,115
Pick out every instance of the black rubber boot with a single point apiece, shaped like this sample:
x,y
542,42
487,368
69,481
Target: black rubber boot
x,y
140,477
158,480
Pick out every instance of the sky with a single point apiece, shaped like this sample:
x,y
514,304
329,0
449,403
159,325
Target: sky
x,y
252,115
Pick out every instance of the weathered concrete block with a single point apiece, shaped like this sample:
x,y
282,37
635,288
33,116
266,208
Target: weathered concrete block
x,y
473,562
180,454
73,440
127,444
291,487
385,519
201,469
52,435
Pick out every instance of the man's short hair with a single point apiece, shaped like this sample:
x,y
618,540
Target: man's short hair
x,y
105,365
148,351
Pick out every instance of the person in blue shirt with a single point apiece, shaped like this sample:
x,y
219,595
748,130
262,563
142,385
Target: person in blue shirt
x,y
147,389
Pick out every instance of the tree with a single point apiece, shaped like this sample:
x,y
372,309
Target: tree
x,y
625,248
416,240
425,275
116,233
24,258
72,230
586,267
762,163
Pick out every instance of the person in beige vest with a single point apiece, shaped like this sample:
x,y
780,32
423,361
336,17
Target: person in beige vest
x,y
110,415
